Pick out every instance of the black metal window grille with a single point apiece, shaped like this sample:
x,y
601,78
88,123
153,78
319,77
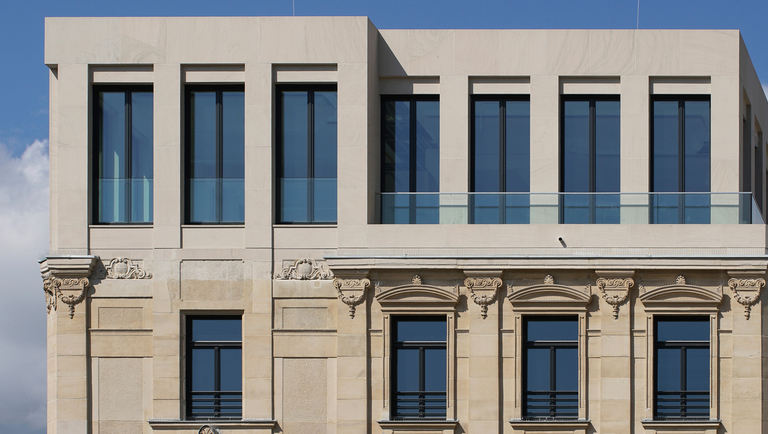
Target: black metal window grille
x,y
217,402
418,402
557,402
686,399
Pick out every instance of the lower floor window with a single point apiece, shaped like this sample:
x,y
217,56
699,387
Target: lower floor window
x,y
214,368
419,368
551,367
682,368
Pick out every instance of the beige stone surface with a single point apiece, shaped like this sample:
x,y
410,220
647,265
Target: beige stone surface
x,y
121,383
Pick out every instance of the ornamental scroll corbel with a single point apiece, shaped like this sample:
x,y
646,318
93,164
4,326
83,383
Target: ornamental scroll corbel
x,y
615,291
65,279
746,292
483,284
70,291
351,292
305,269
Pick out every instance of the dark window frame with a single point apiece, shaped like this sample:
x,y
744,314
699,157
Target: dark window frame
x,y
592,99
423,400
680,99
502,99
219,89
682,345
97,147
191,345
553,345
279,122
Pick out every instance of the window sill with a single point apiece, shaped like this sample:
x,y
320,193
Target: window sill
x,y
418,425
710,425
574,424
166,424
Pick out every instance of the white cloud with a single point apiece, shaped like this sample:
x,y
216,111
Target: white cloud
x,y
23,239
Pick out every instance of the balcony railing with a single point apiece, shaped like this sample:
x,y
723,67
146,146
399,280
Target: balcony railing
x,y
419,405
216,405
673,405
569,208
551,404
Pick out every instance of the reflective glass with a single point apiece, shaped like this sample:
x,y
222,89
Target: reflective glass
x,y
326,131
141,135
233,136
697,149
607,146
112,135
566,369
232,200
665,146
518,139
697,368
232,367
486,152
325,200
427,146
203,372
202,137
435,369
576,162
683,330
112,200
421,331
293,199
552,330
216,329
408,370
396,164
537,369
294,135
668,369
202,200
141,200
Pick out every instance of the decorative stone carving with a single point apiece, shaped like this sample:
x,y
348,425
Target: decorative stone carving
x,y
680,280
548,295
615,291
351,292
70,291
50,294
746,291
208,429
416,279
549,280
484,284
305,269
124,268
65,279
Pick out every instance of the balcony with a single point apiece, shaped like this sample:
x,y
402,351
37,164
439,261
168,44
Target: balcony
x,y
569,208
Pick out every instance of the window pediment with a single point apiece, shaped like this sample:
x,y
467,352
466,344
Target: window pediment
x,y
680,294
417,297
548,294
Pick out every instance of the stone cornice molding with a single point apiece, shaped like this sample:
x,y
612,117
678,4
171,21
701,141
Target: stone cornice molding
x,y
66,279
680,296
351,292
305,269
487,285
746,288
614,287
549,295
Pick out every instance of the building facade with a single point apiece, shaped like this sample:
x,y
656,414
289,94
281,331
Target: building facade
x,y
309,225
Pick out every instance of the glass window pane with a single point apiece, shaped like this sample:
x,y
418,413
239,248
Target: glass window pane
x,y
697,145
668,369
567,369
325,200
537,368
427,146
665,146
216,329
232,200
435,369
552,330
576,146
518,138
112,135
294,135
607,146
203,369
396,164
407,369
202,200
486,147
112,200
293,200
141,135
233,135
416,330
697,369
141,200
683,330
202,131
231,369
326,131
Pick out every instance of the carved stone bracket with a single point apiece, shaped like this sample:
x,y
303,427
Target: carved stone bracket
x,y
615,288
65,279
305,269
351,292
746,291
124,268
489,288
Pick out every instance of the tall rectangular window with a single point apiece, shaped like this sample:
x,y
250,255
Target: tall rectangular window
x,y
410,159
681,368
500,159
123,154
215,154
419,367
307,137
214,368
551,368
680,150
590,159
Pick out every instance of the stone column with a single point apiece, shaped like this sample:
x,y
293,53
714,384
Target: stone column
x,y
66,284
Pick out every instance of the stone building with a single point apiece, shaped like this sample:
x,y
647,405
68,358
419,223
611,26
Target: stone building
x,y
310,225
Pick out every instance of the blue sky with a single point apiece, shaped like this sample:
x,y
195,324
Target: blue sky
x,y
24,121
